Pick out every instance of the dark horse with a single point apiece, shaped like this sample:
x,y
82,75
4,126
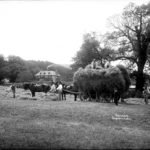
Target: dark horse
x,y
36,88
70,89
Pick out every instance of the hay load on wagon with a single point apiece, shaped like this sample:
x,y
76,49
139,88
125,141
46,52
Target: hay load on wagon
x,y
96,83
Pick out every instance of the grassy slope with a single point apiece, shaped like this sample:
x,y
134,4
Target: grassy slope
x,y
68,124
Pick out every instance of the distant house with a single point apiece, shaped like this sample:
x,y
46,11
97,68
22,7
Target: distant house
x,y
48,75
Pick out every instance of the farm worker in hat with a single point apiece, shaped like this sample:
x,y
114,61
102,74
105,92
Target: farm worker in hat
x,y
13,88
59,89
93,64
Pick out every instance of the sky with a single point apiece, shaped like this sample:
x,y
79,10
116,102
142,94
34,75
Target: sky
x,y
52,30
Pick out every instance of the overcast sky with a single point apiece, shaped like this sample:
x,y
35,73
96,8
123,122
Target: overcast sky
x,y
53,30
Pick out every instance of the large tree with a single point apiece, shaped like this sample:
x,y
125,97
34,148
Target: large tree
x,y
91,48
131,38
3,71
16,65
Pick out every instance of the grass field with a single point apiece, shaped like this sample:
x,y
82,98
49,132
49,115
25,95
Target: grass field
x,y
46,123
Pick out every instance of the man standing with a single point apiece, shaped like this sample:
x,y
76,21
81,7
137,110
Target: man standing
x,y
116,96
13,89
93,64
59,89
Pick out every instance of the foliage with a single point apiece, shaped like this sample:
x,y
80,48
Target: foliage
x,y
18,70
35,66
15,65
131,38
65,72
3,72
91,49
25,76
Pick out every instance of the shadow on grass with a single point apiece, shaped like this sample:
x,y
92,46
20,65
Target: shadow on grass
x,y
126,103
112,103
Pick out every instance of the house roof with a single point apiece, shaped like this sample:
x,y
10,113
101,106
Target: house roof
x,y
52,73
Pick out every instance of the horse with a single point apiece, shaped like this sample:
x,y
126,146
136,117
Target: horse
x,y
36,88
70,89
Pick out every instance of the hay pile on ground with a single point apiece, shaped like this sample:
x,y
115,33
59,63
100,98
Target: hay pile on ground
x,y
22,94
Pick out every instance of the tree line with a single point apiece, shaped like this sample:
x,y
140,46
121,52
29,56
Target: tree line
x,y
16,69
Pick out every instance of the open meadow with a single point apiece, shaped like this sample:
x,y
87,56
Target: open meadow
x,y
43,123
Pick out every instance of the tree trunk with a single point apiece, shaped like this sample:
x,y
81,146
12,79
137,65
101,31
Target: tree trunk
x,y
139,81
140,76
142,47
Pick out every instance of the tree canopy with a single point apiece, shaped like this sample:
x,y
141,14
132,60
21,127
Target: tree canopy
x,y
131,38
91,49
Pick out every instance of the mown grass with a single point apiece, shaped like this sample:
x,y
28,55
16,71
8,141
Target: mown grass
x,y
67,124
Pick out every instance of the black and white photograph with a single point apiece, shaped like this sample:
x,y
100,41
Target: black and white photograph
x,y
75,74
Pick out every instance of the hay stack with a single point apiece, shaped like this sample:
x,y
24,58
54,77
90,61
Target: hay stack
x,y
126,76
101,81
